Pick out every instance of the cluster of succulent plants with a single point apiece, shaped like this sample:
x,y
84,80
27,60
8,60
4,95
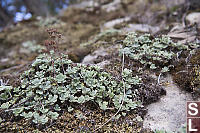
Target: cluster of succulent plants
x,y
49,21
5,89
31,46
54,84
54,81
154,53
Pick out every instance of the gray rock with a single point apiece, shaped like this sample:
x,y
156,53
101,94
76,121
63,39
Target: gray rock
x,y
93,57
112,23
113,6
169,113
182,34
141,28
89,59
86,4
193,18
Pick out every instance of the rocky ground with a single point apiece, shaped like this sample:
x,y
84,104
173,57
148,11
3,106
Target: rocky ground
x,y
92,33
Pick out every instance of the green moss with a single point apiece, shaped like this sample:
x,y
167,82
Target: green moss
x,y
103,39
49,21
182,76
195,71
31,46
186,72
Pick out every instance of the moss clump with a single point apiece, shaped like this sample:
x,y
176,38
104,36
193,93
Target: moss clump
x,y
50,21
186,72
195,79
182,75
194,71
84,120
105,38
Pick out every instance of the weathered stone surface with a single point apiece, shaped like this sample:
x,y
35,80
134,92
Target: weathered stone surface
x,y
141,28
112,23
169,113
89,59
116,4
182,34
193,18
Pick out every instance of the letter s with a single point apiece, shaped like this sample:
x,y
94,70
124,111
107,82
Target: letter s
x,y
193,108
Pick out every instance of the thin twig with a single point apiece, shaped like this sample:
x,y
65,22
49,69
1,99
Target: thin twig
x,y
12,68
122,99
178,54
182,72
18,108
49,126
22,102
158,82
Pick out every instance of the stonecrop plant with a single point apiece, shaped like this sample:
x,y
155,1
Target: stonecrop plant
x,y
41,95
150,52
53,83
